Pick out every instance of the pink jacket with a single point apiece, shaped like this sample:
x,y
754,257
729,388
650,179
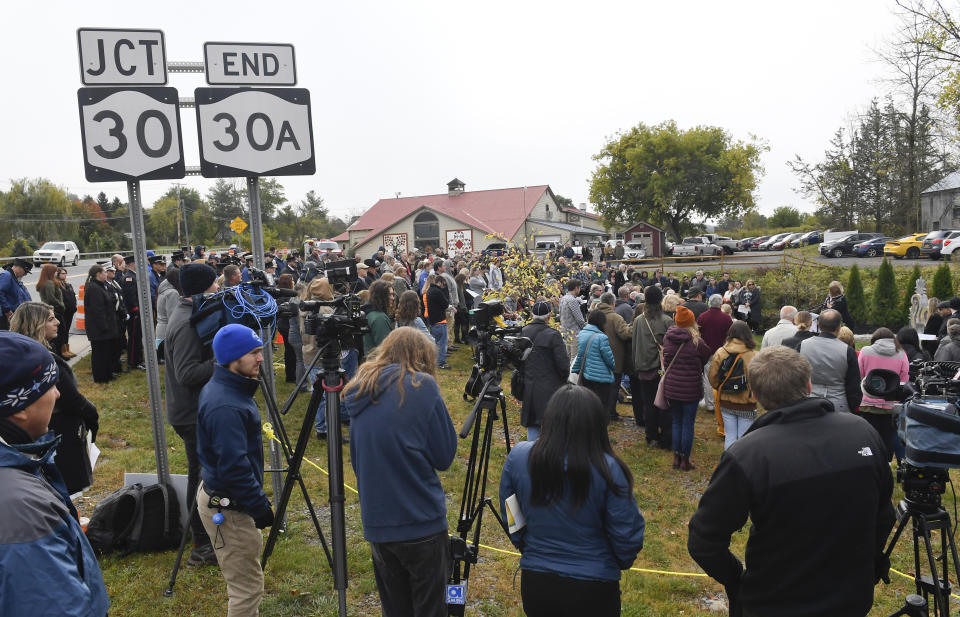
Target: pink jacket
x,y
882,354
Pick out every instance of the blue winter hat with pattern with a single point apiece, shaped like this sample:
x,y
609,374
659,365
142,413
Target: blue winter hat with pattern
x,y
29,374
233,341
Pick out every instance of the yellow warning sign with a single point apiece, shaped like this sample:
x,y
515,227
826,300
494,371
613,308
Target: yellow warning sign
x,y
238,225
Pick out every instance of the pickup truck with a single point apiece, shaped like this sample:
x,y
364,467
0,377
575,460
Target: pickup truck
x,y
729,245
695,246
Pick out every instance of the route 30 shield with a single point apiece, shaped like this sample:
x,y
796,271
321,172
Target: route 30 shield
x,y
130,134
255,132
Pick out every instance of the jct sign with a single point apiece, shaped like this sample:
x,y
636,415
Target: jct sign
x,y
254,132
121,57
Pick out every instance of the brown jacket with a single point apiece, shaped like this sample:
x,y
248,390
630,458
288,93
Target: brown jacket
x,y
733,400
618,331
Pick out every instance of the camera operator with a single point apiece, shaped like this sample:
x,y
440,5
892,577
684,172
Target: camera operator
x,y
546,368
816,542
230,451
400,436
189,367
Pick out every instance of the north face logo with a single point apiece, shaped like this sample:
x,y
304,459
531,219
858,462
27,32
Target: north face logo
x,y
865,451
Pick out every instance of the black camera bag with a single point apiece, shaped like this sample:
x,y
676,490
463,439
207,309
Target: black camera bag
x,y
136,518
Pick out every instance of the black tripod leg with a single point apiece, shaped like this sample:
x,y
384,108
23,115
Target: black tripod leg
x,y
293,475
168,592
285,448
506,429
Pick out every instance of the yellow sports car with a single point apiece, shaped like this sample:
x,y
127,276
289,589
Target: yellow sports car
x,y
907,246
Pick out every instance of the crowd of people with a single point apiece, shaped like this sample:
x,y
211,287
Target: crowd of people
x,y
673,346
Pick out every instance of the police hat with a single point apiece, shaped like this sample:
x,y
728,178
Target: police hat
x,y
129,259
155,259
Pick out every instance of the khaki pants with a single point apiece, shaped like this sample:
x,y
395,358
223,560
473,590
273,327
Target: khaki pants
x,y
237,543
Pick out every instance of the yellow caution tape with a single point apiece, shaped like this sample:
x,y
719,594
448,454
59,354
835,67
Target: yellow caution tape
x,y
952,595
268,431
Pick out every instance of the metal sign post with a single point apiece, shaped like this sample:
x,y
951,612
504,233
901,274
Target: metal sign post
x,y
149,335
256,238
130,131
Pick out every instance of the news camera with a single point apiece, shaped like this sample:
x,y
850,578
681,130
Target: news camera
x,y
929,425
496,347
252,304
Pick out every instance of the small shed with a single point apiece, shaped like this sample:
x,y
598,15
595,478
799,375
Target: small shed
x,y
652,237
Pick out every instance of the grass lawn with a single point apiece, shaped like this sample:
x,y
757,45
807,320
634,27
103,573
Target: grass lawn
x,y
298,581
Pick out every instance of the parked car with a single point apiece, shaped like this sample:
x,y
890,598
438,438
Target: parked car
x,y
744,244
811,237
756,242
871,247
844,246
60,253
907,246
548,249
634,250
784,243
933,242
729,245
950,244
767,245
695,246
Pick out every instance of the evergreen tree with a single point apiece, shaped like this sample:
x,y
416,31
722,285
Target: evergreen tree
x,y
856,299
908,294
886,309
942,283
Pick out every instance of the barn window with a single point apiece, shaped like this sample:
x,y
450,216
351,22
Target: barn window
x,y
426,231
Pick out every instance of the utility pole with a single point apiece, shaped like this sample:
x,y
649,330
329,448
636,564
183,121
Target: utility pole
x,y
186,227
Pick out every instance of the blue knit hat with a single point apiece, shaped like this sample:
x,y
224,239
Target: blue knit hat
x,y
28,377
233,341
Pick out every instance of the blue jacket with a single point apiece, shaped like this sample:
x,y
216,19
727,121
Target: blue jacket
x,y
154,283
396,450
245,275
229,445
47,567
12,292
592,543
599,357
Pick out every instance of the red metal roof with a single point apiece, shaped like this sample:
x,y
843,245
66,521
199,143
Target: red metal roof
x,y
341,237
498,211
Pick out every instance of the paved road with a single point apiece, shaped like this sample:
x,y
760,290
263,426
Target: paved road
x,y
772,256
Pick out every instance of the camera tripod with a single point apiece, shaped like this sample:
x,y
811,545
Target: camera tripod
x,y
293,473
474,498
927,517
329,384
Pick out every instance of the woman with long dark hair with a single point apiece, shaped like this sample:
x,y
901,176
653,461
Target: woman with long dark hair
x,y
103,329
73,415
408,312
285,281
48,286
379,315
837,301
574,518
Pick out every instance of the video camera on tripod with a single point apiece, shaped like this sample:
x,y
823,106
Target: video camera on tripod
x,y
495,347
929,426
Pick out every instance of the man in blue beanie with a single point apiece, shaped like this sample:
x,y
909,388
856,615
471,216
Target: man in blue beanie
x,y
45,559
231,459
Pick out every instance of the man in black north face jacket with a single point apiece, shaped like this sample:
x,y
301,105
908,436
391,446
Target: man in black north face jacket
x,y
816,487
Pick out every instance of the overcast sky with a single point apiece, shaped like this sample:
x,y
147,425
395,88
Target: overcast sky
x,y
407,95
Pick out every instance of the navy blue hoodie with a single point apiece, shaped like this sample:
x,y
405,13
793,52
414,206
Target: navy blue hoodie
x,y
396,450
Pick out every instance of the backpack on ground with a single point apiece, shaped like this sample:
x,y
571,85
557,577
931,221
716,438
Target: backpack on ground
x,y
136,518
733,375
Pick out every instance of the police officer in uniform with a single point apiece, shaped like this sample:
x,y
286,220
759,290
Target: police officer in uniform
x,y
131,297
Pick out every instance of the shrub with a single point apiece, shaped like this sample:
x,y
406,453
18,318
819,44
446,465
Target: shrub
x,y
886,299
943,283
856,300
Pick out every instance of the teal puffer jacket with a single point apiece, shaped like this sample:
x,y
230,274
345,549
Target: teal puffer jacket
x,y
599,357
